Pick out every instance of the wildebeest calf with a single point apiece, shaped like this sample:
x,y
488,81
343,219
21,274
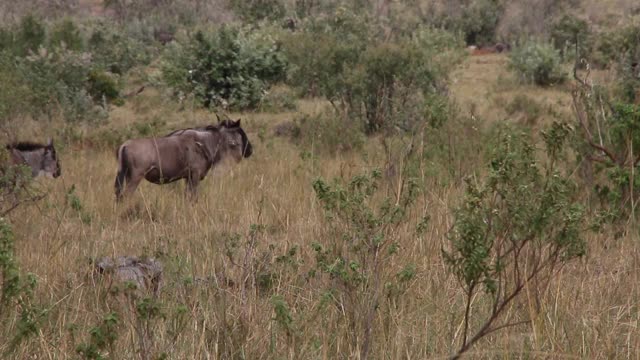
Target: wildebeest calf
x,y
42,159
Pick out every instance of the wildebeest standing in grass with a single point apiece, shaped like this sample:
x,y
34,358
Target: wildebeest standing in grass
x,y
184,154
41,158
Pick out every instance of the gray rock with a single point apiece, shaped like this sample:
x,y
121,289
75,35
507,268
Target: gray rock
x,y
144,273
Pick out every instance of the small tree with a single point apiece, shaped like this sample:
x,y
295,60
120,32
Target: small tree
x,y
514,230
609,138
537,63
357,254
229,66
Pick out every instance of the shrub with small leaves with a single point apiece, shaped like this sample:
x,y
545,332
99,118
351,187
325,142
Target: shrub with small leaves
x,y
357,251
515,228
228,67
537,63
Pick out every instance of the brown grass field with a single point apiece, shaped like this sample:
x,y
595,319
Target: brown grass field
x,y
591,310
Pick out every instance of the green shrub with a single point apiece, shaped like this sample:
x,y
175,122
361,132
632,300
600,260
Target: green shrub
x,y
256,10
566,31
101,84
31,35
58,82
228,67
617,45
14,94
479,21
115,51
537,63
378,83
515,227
67,33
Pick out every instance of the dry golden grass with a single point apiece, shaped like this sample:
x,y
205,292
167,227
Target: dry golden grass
x,y
591,310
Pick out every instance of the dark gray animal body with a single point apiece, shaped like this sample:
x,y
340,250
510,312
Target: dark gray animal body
x,y
42,159
184,154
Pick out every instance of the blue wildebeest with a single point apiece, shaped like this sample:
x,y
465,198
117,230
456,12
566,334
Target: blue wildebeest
x,y
183,154
42,159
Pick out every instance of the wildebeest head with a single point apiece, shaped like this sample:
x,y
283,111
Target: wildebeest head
x,y
42,159
237,139
50,162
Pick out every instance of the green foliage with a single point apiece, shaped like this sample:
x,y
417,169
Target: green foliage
x,y
537,63
31,36
608,136
14,94
66,34
74,202
564,34
479,21
283,316
16,292
255,10
519,223
57,80
102,338
617,46
116,51
102,85
357,250
228,67
8,266
378,83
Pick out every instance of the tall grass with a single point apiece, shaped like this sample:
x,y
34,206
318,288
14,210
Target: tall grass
x,y
233,290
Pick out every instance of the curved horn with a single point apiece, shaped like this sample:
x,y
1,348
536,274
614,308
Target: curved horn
x,y
218,117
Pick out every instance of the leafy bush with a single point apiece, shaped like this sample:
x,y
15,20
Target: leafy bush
x,y
231,66
102,85
67,33
515,228
566,31
608,132
479,21
616,46
57,81
31,35
115,51
537,63
377,83
252,10
357,256
13,93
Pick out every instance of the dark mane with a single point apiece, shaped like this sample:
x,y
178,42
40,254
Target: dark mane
x,y
197,128
228,124
26,146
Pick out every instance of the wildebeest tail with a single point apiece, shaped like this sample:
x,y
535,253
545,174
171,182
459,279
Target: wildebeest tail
x,y
123,170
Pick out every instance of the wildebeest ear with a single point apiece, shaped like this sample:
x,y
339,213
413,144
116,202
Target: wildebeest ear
x,y
237,123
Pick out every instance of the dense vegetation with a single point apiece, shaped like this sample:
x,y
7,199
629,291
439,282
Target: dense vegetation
x,y
412,196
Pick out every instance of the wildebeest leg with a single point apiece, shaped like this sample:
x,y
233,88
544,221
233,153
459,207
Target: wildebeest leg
x,y
192,186
132,185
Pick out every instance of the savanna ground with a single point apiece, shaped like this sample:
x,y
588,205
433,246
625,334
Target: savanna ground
x,y
589,311
243,271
